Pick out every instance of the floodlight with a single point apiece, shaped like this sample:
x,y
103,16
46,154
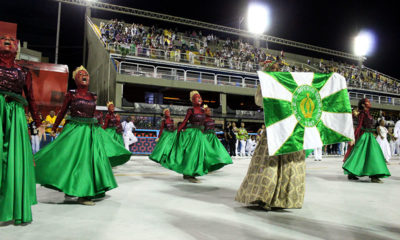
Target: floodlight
x,y
364,43
258,18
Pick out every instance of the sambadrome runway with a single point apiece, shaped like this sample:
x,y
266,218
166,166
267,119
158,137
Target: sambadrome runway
x,y
154,203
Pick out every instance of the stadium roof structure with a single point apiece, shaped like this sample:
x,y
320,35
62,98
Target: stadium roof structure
x,y
208,26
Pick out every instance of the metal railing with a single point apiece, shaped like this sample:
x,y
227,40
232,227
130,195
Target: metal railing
x,y
146,70
372,86
375,98
191,58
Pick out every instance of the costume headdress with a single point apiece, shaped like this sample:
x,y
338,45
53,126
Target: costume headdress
x,y
110,103
7,28
77,70
192,93
165,109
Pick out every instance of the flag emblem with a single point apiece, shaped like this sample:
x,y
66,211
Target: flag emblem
x,y
305,110
307,105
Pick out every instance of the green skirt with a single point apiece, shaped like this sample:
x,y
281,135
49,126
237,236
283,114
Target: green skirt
x,y
163,147
77,161
366,158
217,146
17,176
116,136
308,152
193,155
116,151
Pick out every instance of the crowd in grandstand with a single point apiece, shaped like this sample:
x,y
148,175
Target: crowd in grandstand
x,y
362,77
196,48
138,40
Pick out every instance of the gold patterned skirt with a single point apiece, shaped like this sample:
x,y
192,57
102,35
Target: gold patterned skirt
x,y
274,181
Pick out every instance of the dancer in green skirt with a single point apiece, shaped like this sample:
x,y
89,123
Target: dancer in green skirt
x,y
165,139
77,162
192,154
209,132
365,158
17,176
112,124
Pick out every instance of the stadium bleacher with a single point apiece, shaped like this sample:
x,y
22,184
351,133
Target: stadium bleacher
x,y
195,48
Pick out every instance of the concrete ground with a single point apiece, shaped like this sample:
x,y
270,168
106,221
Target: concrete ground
x,y
154,203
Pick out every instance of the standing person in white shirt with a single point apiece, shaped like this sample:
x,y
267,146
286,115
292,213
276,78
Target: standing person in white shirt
x,y
129,137
392,142
396,134
382,140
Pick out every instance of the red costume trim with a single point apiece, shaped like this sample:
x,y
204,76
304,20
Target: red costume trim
x,y
359,131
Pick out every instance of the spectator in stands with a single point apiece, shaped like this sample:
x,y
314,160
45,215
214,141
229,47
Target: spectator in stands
x,y
48,123
29,118
143,41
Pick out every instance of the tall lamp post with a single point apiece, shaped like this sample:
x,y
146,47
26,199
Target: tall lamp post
x,y
58,32
87,14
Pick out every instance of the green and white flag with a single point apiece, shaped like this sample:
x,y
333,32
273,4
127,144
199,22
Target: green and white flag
x,y
305,110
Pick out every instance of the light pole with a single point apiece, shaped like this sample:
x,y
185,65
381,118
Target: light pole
x,y
241,19
87,14
58,33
